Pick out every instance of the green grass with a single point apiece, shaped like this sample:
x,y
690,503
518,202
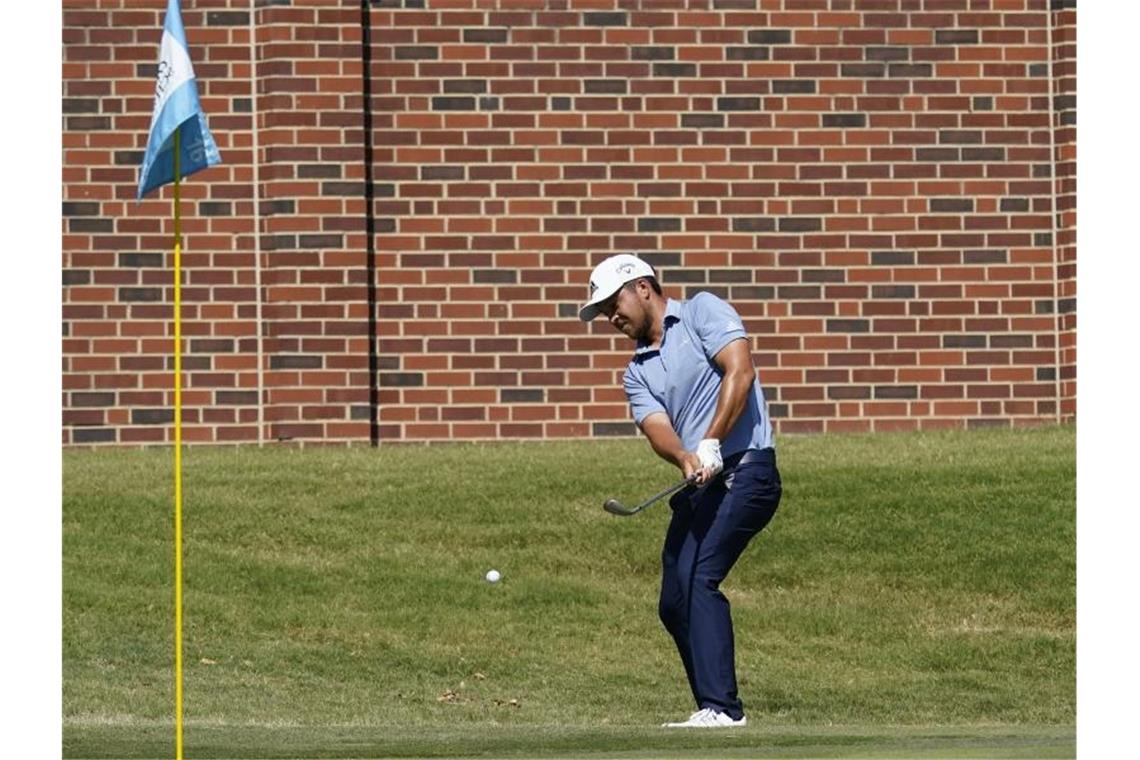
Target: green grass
x,y
915,595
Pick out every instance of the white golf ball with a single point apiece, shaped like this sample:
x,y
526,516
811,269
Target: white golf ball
x,y
493,576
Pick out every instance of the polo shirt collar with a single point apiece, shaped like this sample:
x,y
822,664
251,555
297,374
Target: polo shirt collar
x,y
672,314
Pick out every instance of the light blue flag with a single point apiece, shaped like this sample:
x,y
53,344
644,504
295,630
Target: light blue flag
x,y
176,107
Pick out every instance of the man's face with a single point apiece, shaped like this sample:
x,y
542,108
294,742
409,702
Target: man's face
x,y
626,313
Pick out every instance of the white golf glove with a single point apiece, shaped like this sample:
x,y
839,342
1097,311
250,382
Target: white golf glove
x,y
708,451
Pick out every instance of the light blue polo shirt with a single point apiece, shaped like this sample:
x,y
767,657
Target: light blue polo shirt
x,y
680,378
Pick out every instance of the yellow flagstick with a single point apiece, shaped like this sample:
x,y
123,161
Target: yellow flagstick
x,y
177,449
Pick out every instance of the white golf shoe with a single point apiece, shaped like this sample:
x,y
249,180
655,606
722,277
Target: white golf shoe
x,y
708,718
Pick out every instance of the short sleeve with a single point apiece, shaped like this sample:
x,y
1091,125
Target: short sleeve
x,y
715,322
642,403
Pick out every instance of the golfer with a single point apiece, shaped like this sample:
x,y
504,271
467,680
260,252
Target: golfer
x,y
693,392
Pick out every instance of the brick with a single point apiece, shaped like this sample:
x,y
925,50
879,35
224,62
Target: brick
x,y
753,224
863,70
92,399
659,225
960,136
495,276
963,341
152,416
956,36
800,224
752,293
749,53
401,379
989,154
738,104
844,120
76,225
318,171
88,123
485,35
886,54
848,392
730,276
521,395
354,189
465,86
1011,341
952,205
613,429
674,69
605,19
794,292
660,259
212,346
793,87
896,392
80,209
720,292
227,18
415,53
295,362
215,208
93,435
320,241
909,70
675,276
140,295
769,37
848,325
893,291
605,86
279,206
702,121
452,103
985,257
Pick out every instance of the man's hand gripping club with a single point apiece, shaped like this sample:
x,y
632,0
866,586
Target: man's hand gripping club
x,y
706,462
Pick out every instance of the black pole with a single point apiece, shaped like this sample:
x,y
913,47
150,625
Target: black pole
x,y
370,227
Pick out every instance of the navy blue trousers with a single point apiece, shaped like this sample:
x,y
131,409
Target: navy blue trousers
x,y
711,526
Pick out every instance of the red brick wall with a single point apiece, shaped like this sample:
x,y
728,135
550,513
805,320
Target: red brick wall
x,y
1064,39
867,182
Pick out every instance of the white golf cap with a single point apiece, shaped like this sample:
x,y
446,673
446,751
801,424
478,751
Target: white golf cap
x,y
608,277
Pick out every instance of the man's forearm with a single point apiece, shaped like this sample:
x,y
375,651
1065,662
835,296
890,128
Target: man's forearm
x,y
730,403
663,438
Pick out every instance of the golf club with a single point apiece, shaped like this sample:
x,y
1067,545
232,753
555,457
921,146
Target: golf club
x,y
614,507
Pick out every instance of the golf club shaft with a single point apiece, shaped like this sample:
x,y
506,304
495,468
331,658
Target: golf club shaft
x,y
675,487
614,507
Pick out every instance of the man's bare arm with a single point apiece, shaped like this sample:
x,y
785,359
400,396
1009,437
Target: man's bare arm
x,y
663,438
735,361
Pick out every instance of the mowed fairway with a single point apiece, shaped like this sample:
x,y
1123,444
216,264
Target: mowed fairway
x,y
913,597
